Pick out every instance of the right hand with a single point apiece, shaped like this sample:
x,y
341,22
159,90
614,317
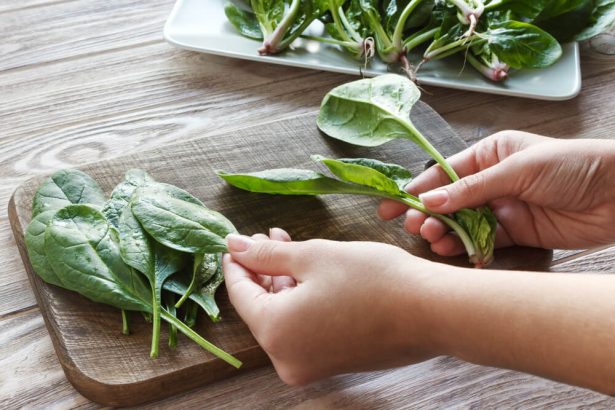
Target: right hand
x,y
545,192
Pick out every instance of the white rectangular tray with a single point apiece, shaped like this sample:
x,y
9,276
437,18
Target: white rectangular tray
x,y
201,25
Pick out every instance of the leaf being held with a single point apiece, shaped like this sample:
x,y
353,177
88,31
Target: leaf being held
x,y
369,112
389,178
290,181
181,225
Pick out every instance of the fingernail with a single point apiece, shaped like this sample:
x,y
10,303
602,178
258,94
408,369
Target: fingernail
x,y
238,243
434,198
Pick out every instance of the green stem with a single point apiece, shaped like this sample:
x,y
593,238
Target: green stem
x,y
356,36
210,347
422,142
495,4
276,41
401,23
341,29
195,266
155,322
458,229
419,38
333,41
125,326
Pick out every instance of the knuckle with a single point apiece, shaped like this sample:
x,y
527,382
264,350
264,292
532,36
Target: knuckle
x,y
472,185
264,252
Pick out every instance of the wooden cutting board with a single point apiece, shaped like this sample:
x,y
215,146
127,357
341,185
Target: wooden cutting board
x,y
113,369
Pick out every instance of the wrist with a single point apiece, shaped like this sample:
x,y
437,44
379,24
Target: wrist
x,y
421,300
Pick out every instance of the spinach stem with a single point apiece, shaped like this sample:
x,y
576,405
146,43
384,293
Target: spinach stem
x,y
125,326
273,43
332,41
195,267
422,142
356,36
155,321
401,23
458,229
335,13
419,38
210,347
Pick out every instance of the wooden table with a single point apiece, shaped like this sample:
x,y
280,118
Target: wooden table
x,y
85,80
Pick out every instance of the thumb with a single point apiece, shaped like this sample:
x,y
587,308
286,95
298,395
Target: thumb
x,y
473,190
264,257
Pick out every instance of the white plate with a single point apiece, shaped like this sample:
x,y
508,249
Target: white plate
x,y
201,25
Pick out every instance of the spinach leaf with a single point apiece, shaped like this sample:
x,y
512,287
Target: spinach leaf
x,y
84,253
564,19
65,187
523,45
121,194
244,21
602,19
289,181
373,111
139,251
178,284
181,225
197,264
35,244
133,179
385,177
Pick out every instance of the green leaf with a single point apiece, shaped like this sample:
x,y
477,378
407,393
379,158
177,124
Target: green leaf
x,y
289,181
121,194
397,173
480,224
68,186
35,244
564,19
83,251
181,225
523,45
521,9
244,21
369,112
601,20
368,172
373,111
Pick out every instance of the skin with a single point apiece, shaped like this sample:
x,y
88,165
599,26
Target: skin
x,y
316,306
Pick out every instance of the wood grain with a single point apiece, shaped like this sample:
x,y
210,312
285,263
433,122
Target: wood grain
x,y
115,370
72,95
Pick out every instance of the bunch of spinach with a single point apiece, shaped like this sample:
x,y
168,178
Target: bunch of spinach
x,y
492,35
371,112
131,251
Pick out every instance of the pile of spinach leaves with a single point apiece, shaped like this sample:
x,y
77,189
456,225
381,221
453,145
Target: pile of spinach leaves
x,y
371,112
492,35
149,243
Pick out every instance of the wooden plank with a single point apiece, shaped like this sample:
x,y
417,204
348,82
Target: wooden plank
x,y
600,261
438,383
75,28
116,370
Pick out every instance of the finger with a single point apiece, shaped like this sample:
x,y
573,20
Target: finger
x,y
433,230
477,189
245,293
389,209
262,257
279,234
449,245
264,280
414,221
464,163
279,283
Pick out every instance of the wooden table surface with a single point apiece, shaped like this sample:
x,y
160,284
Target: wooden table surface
x,y
86,80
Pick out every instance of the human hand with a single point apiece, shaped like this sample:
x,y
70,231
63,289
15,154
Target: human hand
x,y
545,192
354,306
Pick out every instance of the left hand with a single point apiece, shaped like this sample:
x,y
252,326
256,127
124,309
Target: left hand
x,y
320,308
